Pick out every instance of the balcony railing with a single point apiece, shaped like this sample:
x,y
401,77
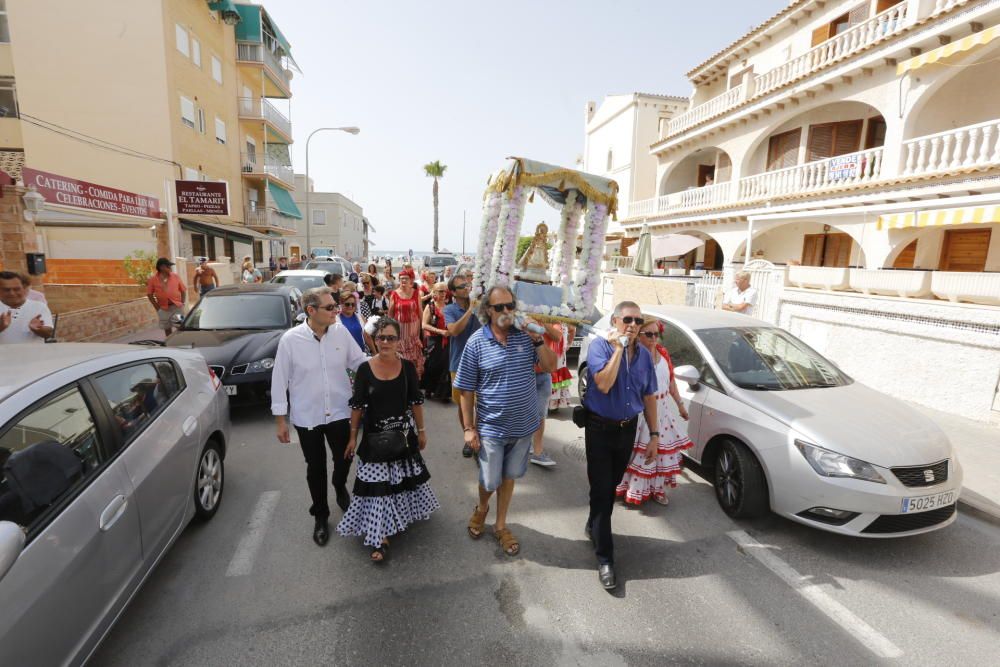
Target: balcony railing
x,y
964,147
257,53
269,218
850,169
847,43
259,107
254,164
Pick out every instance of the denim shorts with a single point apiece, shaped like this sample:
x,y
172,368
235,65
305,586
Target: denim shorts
x,y
543,383
502,458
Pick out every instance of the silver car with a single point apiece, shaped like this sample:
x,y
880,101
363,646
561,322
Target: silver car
x,y
780,427
107,452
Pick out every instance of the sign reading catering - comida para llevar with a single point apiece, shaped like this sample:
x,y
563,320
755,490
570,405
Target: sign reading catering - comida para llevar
x,y
82,194
202,198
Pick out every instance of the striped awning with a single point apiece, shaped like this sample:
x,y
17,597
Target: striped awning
x,y
950,216
948,51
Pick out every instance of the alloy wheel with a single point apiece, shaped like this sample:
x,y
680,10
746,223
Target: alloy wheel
x,y
209,479
728,481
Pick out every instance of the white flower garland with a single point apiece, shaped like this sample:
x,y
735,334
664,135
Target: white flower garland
x,y
565,250
487,240
511,215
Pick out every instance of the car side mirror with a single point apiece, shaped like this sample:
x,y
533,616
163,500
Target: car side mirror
x,y
177,319
300,318
689,374
11,543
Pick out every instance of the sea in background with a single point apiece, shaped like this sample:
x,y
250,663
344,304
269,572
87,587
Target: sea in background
x,y
417,254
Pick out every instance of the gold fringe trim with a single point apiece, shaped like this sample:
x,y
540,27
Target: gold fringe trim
x,y
508,180
555,318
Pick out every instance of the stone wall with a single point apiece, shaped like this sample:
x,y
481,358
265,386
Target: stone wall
x,y
17,235
107,322
68,298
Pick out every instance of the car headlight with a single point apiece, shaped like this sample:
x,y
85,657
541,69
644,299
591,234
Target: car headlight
x,y
832,464
260,365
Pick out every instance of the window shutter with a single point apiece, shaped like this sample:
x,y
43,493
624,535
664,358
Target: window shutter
x,y
847,137
858,15
783,150
821,34
820,144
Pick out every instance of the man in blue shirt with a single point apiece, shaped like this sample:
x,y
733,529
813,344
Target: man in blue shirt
x,y
461,320
497,372
621,383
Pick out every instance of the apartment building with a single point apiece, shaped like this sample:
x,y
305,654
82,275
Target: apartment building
x,y
337,222
853,146
155,94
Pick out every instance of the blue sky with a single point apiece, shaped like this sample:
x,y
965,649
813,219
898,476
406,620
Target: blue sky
x,y
472,82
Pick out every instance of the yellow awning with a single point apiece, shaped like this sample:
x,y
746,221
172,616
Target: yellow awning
x,y
949,216
949,50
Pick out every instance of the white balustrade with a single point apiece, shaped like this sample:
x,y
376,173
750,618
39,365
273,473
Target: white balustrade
x,y
708,195
894,283
850,169
641,208
821,277
964,147
715,106
945,5
961,286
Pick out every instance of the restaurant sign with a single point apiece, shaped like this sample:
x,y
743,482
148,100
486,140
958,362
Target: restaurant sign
x,y
81,194
202,198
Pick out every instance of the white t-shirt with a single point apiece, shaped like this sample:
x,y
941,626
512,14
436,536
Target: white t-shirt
x,y
735,297
18,331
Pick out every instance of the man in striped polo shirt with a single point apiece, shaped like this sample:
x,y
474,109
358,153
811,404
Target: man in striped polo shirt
x,y
500,405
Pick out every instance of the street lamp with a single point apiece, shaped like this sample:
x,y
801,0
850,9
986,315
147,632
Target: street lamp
x,y
349,130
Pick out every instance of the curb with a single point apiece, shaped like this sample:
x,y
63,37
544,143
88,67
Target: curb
x,y
980,505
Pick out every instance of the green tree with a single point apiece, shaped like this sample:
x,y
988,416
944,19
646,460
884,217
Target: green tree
x,y
435,170
140,265
522,246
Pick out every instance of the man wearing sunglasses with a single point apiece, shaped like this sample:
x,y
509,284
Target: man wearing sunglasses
x,y
310,386
496,376
461,320
621,381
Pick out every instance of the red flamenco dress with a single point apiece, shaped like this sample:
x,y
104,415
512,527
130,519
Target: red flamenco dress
x,y
407,313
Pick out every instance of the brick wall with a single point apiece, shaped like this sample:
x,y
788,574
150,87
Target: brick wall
x,y
68,298
105,323
17,236
86,272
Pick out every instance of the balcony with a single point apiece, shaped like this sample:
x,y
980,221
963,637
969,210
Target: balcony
x,y
828,278
892,283
261,109
981,288
848,43
270,218
970,147
257,165
843,170
253,52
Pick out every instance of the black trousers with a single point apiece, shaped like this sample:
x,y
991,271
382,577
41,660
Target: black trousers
x,y
336,434
609,449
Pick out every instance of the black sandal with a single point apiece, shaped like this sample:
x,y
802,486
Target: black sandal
x,y
382,551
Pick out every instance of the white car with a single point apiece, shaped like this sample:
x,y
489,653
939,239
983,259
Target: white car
x,y
301,278
106,454
781,427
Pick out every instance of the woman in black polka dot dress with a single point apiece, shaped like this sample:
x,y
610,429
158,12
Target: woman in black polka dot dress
x,y
389,496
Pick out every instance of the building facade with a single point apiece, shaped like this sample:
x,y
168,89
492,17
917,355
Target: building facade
x,y
337,222
855,146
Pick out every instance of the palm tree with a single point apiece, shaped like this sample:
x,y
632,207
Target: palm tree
x,y
435,170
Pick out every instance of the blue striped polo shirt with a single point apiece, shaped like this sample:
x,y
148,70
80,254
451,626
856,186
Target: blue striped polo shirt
x,y
503,377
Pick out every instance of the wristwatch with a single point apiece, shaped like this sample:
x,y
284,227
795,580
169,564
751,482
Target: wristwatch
x,y
656,433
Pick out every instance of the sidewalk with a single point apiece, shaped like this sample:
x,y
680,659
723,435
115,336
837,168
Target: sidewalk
x,y
978,447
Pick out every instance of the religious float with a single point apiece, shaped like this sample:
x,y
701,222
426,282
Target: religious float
x,y
564,289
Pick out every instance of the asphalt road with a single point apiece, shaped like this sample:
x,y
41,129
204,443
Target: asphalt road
x,y
695,587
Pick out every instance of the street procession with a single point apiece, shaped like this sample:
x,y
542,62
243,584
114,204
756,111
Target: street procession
x,y
440,375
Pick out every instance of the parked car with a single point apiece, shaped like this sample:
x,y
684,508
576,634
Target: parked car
x,y
237,328
303,279
437,263
107,452
324,251
782,428
336,265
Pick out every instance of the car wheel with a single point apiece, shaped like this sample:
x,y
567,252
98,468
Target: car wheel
x,y
581,382
209,481
740,486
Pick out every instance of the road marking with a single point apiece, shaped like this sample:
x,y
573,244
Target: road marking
x,y
838,613
246,550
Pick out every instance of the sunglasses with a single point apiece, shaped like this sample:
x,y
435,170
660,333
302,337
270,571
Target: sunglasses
x,y
387,339
628,319
649,334
500,307
329,308
462,286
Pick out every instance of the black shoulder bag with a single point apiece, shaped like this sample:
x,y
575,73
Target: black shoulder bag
x,y
385,446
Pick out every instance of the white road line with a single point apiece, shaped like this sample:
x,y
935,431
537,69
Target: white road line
x,y
838,613
246,551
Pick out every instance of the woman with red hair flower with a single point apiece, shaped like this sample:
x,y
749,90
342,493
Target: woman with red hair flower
x,y
649,474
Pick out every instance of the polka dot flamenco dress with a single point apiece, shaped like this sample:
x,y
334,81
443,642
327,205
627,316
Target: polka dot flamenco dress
x,y
643,481
389,496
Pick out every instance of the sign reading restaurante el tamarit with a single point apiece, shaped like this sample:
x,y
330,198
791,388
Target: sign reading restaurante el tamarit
x,y
81,194
202,198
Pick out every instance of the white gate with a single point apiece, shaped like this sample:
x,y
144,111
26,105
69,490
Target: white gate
x,y
769,281
708,291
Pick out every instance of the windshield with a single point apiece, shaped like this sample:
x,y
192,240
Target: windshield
x,y
769,359
239,311
302,282
329,267
440,261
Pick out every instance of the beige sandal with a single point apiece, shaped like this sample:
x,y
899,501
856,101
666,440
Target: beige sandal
x,y
507,541
477,522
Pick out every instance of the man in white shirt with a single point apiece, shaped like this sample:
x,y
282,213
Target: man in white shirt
x,y
310,386
741,298
21,320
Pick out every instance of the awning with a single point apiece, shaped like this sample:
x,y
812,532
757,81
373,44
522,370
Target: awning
x,y
220,231
950,216
949,51
226,8
674,245
248,29
283,199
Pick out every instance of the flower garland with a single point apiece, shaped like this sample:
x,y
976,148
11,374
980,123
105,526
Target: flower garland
x,y
511,216
487,240
588,274
565,250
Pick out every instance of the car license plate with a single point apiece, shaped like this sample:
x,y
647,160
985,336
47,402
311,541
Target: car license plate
x,y
927,503
231,390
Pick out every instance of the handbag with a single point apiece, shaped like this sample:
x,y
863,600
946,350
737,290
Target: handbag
x,y
385,446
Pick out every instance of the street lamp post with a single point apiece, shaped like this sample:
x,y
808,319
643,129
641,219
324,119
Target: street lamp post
x,y
350,130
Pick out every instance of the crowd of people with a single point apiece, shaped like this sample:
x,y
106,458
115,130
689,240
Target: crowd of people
x,y
353,378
